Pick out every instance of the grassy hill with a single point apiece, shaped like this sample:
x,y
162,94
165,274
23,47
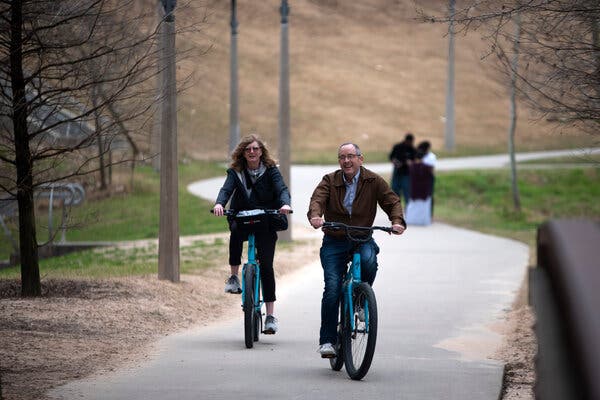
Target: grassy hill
x,y
363,71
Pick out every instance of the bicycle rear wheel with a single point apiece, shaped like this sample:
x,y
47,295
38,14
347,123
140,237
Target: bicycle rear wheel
x,y
249,313
359,343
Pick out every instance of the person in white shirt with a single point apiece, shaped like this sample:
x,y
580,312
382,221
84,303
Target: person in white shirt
x,y
429,159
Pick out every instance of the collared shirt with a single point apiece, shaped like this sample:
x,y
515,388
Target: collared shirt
x,y
350,191
327,200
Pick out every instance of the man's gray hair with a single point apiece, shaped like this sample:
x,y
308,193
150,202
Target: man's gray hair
x,y
356,148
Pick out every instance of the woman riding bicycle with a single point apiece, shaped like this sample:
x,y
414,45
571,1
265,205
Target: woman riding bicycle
x,y
254,181
349,195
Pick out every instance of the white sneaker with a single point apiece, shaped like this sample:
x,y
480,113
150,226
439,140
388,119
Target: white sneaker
x,y
270,325
233,285
326,350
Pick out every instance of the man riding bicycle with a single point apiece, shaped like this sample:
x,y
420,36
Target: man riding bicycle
x,y
349,195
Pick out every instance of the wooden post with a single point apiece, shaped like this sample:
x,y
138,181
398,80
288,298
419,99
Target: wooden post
x,y
234,109
168,238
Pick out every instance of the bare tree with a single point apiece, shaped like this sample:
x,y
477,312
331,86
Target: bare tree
x,y
559,53
85,67
549,53
513,115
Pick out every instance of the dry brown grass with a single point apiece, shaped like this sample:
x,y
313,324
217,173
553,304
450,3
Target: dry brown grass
x,y
83,326
364,71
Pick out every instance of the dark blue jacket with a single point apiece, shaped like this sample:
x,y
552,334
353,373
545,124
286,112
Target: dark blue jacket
x,y
270,191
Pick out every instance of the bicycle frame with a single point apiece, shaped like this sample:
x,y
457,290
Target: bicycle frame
x,y
254,264
353,275
352,278
357,329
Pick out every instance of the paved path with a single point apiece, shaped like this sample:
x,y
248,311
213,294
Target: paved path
x,y
306,177
440,289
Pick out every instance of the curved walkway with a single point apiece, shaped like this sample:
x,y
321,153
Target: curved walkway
x,y
440,291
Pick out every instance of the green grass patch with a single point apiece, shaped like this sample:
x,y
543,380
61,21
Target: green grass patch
x,y
121,262
482,200
134,214
583,159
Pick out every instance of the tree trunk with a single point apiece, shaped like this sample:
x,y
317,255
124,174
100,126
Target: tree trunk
x,y
30,270
596,44
513,116
99,139
101,166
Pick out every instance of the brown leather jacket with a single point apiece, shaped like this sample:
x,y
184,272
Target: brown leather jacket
x,y
328,197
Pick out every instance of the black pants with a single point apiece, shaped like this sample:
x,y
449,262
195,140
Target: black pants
x,y
265,252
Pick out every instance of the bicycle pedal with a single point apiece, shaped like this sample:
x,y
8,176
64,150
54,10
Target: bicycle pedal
x,y
328,355
269,332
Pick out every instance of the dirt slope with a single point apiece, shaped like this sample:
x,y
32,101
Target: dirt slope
x,y
365,71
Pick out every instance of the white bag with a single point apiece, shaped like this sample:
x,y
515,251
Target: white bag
x,y
418,212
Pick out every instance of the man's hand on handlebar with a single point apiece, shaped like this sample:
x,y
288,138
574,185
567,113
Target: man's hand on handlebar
x,y
316,222
285,209
398,229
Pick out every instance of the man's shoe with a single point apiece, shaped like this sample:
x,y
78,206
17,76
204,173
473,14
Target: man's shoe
x,y
270,325
326,350
233,285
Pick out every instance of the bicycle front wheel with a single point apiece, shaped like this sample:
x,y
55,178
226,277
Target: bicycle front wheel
x,y
249,317
337,362
359,343
257,324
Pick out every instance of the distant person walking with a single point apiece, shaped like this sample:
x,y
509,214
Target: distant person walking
x,y
418,210
429,159
401,156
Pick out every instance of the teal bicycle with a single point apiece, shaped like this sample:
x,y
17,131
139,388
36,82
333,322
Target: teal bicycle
x,y
357,327
251,221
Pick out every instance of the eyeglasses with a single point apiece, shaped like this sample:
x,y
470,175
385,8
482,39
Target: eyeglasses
x,y
250,149
347,157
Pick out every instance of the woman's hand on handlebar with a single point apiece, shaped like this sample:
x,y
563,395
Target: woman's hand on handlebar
x,y
285,209
218,210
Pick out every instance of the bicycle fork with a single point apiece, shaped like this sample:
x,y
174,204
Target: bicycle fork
x,y
354,277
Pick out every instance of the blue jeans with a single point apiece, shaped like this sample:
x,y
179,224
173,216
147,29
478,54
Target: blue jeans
x,y
335,254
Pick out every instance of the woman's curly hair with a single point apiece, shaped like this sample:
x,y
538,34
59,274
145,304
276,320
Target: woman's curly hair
x,y
238,162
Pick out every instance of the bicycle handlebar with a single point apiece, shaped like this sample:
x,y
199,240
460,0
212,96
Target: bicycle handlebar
x,y
363,233
248,213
